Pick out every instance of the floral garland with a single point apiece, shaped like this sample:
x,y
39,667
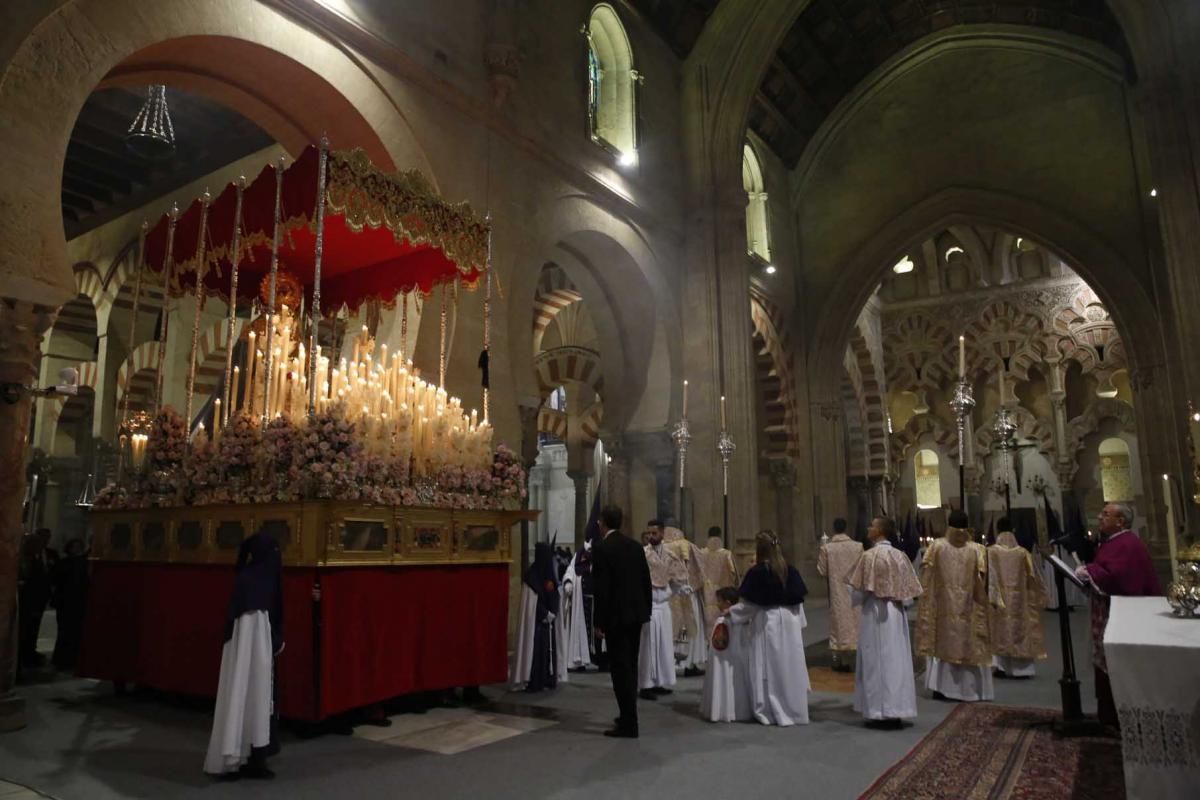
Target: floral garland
x,y
320,457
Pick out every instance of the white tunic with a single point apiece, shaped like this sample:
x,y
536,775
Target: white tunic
x,y
242,718
884,687
1015,667
656,660
726,695
777,671
578,654
696,653
963,682
523,657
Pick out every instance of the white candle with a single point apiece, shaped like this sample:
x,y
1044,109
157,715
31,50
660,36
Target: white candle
x,y
216,419
962,357
1172,545
233,394
722,412
685,399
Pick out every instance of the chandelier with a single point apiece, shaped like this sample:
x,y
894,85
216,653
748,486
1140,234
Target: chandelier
x,y
152,135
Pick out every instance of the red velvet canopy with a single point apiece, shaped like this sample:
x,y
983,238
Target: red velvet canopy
x,y
384,234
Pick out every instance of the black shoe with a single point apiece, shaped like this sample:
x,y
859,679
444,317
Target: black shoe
x,y
648,694
256,772
472,696
659,690
622,733
693,672
885,724
939,696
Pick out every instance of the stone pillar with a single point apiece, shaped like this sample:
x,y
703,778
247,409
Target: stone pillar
x,y
21,327
829,454
582,481
618,473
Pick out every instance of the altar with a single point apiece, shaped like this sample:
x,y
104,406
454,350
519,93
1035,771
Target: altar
x,y
1154,666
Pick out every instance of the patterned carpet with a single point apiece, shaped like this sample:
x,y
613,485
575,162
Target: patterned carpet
x,y
989,752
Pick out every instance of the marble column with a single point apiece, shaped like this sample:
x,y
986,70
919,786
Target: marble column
x,y
582,482
22,325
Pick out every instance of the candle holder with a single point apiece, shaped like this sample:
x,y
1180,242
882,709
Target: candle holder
x,y
726,448
962,403
682,437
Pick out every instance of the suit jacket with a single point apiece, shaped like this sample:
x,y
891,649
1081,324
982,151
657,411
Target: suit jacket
x,y
621,578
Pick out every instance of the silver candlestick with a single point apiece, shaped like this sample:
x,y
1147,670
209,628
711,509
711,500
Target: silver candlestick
x,y
725,447
1005,431
962,403
682,437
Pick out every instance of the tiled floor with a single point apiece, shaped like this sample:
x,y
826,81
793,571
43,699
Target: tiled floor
x,y
449,731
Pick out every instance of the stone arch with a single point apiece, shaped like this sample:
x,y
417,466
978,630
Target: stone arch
x,y
89,284
771,325
143,360
554,294
923,427
1085,251
236,56
619,277
865,351
567,364
1079,428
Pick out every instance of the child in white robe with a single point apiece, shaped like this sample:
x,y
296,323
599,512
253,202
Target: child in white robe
x,y
726,695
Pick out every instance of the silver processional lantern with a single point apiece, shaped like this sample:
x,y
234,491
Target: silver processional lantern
x,y
152,135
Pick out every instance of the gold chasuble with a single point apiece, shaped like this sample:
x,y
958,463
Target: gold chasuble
x,y
952,618
1016,629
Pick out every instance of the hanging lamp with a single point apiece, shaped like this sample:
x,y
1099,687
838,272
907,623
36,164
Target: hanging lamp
x,y
152,135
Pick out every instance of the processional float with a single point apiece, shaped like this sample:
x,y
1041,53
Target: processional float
x,y
305,411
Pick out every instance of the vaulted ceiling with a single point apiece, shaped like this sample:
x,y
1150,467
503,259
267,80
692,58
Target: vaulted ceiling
x,y
103,178
835,44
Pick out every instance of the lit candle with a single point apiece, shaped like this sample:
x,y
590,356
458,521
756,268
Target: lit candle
x,y
685,399
722,412
233,395
962,357
216,419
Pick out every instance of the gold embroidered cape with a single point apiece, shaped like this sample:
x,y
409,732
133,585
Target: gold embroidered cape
x,y
886,573
952,617
835,560
1016,629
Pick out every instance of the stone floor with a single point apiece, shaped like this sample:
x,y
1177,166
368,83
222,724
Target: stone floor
x,y
83,743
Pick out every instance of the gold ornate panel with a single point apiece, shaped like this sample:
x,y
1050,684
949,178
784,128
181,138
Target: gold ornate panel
x,y
326,533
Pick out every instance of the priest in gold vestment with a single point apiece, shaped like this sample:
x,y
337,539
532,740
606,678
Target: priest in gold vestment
x,y
719,571
687,609
952,616
1016,627
834,561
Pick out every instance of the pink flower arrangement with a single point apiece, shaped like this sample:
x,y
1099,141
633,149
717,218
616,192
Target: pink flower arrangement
x,y
168,441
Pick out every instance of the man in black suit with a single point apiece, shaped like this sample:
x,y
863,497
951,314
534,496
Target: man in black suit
x,y
621,579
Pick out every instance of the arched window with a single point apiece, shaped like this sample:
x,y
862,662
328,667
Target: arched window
x,y
612,115
757,237
1115,480
928,479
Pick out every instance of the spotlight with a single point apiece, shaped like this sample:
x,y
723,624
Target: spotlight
x,y
770,269
903,266
627,159
1154,192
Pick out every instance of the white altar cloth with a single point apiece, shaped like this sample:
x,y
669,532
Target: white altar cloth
x,y
1154,666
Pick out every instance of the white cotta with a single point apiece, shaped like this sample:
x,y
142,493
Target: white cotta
x,y
726,694
656,659
778,672
696,654
966,682
523,656
242,718
1015,667
884,687
578,654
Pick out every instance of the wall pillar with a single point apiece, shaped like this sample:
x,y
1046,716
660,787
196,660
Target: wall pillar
x,y
22,325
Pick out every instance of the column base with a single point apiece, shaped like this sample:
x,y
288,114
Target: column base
x,y
12,713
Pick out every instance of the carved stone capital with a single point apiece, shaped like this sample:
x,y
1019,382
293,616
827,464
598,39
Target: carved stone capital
x,y
22,326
